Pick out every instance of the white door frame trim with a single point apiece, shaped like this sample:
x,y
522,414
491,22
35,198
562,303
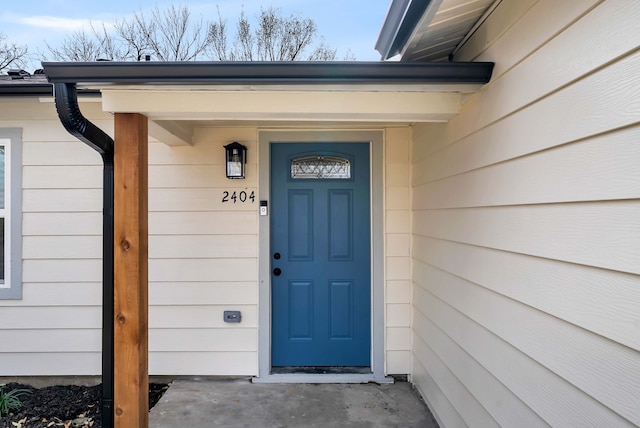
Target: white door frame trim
x,y
376,144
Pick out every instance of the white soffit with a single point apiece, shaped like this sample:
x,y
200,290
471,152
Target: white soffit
x,y
445,24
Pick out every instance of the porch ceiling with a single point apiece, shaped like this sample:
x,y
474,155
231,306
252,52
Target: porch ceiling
x,y
174,114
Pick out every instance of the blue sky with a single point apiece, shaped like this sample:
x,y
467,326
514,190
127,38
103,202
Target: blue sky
x,y
345,24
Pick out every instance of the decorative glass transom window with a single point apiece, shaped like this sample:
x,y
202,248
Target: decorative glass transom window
x,y
321,167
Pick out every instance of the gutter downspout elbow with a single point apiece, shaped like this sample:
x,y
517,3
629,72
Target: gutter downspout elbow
x,y
66,100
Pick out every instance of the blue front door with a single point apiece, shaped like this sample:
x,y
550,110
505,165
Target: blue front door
x,y
320,254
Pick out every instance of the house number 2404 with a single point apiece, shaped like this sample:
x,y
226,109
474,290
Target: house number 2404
x,y
241,196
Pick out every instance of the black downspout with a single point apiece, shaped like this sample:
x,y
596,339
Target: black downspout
x,y
66,100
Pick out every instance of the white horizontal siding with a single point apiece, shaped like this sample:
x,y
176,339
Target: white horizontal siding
x,y
599,300
39,109
49,341
398,339
61,200
398,315
469,409
202,316
593,40
203,222
614,88
437,401
61,177
605,162
603,234
50,363
160,294
203,254
203,270
61,224
40,153
398,268
398,362
202,246
160,340
204,363
398,291
555,400
203,340
195,176
603,369
62,247
397,250
476,380
525,235
58,294
202,258
62,270
50,317
203,293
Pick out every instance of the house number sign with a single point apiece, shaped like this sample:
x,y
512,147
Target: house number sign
x,y
235,197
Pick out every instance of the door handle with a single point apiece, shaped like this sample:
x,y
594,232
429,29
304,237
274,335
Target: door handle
x,y
277,271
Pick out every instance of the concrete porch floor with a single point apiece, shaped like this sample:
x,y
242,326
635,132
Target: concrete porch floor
x,y
240,403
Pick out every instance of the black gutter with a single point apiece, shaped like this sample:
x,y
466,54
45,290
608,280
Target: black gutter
x,y
26,89
267,73
66,99
35,90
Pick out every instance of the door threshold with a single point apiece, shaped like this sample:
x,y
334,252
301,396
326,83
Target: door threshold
x,y
322,378
321,370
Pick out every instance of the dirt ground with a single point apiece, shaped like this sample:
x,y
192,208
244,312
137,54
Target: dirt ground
x,y
68,406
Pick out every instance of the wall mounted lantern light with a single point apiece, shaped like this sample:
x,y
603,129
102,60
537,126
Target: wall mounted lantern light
x,y
236,156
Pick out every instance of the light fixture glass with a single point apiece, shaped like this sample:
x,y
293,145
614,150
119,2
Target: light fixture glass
x,y
236,159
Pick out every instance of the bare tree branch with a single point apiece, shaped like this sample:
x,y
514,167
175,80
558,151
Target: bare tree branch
x,y
217,39
275,38
244,45
110,47
301,33
268,33
322,52
349,56
11,54
173,34
77,47
133,37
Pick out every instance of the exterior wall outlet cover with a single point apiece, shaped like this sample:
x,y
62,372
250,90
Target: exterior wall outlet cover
x,y
232,316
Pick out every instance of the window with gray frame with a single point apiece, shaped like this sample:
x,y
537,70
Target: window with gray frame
x,y
10,213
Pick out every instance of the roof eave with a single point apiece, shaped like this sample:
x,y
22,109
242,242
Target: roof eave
x,y
400,23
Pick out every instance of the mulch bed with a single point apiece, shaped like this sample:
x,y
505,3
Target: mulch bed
x,y
68,406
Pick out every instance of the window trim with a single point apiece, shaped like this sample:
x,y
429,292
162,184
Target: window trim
x,y
12,287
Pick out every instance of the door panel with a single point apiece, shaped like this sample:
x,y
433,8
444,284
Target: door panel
x,y
321,287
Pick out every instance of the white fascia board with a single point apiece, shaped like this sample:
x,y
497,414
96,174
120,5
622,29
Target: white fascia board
x,y
284,106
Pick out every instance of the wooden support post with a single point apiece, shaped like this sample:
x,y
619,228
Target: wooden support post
x,y
131,387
